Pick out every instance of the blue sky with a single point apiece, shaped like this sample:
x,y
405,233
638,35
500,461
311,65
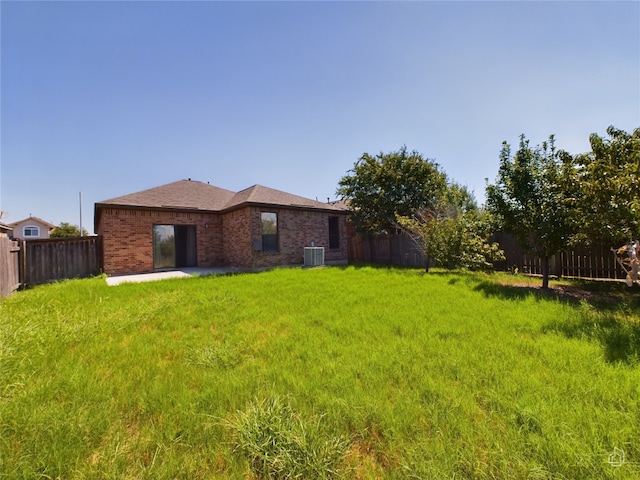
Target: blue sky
x,y
109,98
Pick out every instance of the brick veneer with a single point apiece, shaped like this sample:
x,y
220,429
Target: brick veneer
x,y
236,238
296,229
222,239
128,237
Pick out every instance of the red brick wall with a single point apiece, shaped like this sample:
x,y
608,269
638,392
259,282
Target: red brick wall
x,y
236,238
296,229
221,239
128,238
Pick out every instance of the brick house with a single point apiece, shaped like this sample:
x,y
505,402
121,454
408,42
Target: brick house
x,y
194,224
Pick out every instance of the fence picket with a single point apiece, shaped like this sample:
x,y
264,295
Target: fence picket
x,y
54,259
588,263
9,266
47,260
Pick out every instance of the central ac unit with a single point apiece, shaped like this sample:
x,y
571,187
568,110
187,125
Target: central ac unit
x,y
313,256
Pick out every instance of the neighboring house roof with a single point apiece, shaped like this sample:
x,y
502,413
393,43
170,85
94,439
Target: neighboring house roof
x,y
4,227
33,220
194,195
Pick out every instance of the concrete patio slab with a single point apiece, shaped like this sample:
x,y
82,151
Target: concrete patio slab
x,y
179,273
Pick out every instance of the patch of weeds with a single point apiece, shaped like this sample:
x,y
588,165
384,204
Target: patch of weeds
x,y
527,421
280,444
218,355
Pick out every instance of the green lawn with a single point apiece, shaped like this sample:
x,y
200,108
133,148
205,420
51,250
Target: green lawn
x,y
354,372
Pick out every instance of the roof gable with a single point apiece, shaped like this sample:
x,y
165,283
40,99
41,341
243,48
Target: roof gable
x,y
33,220
183,194
258,194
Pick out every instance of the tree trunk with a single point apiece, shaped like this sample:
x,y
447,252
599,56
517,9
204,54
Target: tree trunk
x,y
545,272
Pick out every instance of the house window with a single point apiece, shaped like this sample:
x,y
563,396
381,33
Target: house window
x,y
334,232
269,232
31,231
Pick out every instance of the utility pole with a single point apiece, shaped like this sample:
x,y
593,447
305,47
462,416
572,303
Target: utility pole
x,y
81,214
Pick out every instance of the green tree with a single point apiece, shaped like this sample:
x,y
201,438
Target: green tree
x,y
455,233
606,189
67,230
381,187
531,199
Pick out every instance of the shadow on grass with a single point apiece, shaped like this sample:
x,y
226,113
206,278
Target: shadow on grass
x,y
606,296
522,291
619,336
374,266
604,313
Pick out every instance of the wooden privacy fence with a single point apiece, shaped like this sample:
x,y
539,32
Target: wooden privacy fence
x,y
588,263
389,249
9,266
49,260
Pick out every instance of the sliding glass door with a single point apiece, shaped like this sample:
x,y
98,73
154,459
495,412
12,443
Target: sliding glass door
x,y
174,246
164,252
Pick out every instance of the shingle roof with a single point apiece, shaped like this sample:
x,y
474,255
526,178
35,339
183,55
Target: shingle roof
x,y
35,219
183,194
260,195
193,195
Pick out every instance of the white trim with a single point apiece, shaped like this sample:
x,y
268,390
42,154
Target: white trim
x,y
30,235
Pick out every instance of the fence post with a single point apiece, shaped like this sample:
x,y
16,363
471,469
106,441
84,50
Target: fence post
x,y
22,263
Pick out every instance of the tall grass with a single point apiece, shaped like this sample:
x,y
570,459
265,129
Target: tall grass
x,y
356,372
280,444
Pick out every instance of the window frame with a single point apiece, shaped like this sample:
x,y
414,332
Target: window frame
x,y
334,233
270,241
30,228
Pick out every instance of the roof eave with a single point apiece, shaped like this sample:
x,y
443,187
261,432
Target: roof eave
x,y
288,206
